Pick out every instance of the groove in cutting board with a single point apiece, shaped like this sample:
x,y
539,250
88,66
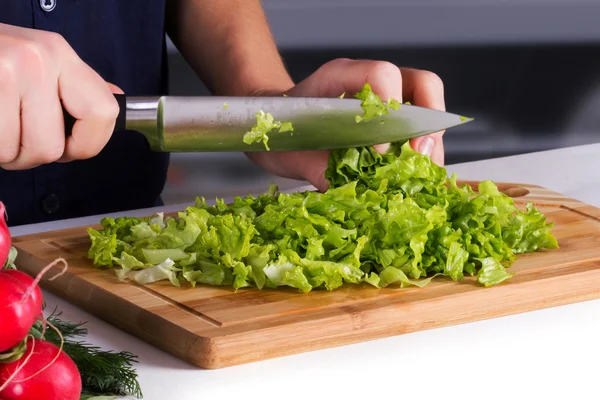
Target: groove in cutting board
x,y
214,327
181,306
580,212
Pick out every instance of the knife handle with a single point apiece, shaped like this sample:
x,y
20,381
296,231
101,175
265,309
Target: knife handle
x,y
120,123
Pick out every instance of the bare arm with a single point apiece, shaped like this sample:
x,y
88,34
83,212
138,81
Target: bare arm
x,y
229,45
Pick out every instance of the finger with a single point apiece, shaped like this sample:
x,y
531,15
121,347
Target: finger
x,y
88,98
426,89
10,123
315,171
286,164
349,76
432,146
40,112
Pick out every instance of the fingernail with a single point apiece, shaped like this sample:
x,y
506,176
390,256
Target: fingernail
x,y
426,147
381,148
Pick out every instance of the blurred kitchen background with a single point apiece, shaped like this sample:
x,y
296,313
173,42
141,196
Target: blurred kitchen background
x,y
528,71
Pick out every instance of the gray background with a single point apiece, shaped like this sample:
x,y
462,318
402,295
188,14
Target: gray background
x,y
527,70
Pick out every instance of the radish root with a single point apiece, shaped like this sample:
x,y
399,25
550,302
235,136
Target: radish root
x,y
41,274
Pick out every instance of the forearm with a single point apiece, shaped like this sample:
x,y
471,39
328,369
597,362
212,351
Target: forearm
x,y
229,45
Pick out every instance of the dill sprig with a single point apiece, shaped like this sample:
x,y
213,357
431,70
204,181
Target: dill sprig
x,y
103,373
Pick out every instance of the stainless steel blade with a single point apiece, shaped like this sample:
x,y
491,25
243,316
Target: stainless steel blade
x,y
205,124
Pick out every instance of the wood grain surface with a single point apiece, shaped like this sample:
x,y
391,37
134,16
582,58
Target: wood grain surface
x,y
215,327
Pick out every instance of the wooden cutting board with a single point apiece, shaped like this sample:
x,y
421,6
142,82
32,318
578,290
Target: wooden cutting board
x,y
214,327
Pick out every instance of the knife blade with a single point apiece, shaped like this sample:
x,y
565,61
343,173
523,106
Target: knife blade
x,y
218,124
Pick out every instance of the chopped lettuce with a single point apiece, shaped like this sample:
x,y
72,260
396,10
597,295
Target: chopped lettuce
x,y
286,127
492,272
265,123
164,270
372,104
392,219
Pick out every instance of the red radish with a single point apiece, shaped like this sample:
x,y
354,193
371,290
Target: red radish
x,y
5,240
19,307
20,303
46,373
28,281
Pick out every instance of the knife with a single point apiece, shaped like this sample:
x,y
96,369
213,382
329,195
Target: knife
x,y
218,124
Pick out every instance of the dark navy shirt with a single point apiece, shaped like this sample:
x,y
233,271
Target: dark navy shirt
x,y
124,41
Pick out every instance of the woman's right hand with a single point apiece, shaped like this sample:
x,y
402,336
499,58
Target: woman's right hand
x,y
38,70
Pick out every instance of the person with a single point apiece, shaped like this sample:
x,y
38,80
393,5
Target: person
x,y
79,53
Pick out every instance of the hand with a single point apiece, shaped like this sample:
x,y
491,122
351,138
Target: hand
x,y
421,88
37,70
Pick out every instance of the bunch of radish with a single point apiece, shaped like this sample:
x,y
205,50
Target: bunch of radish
x,y
30,368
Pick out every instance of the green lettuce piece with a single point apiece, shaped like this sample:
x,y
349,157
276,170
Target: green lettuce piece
x,y
162,271
265,123
372,104
286,127
529,231
392,275
104,246
492,272
127,261
387,220
208,273
455,261
158,256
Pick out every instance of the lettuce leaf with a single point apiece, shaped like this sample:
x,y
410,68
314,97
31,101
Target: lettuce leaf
x,y
264,124
372,104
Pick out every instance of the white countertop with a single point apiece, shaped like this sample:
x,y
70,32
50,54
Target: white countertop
x,y
547,354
